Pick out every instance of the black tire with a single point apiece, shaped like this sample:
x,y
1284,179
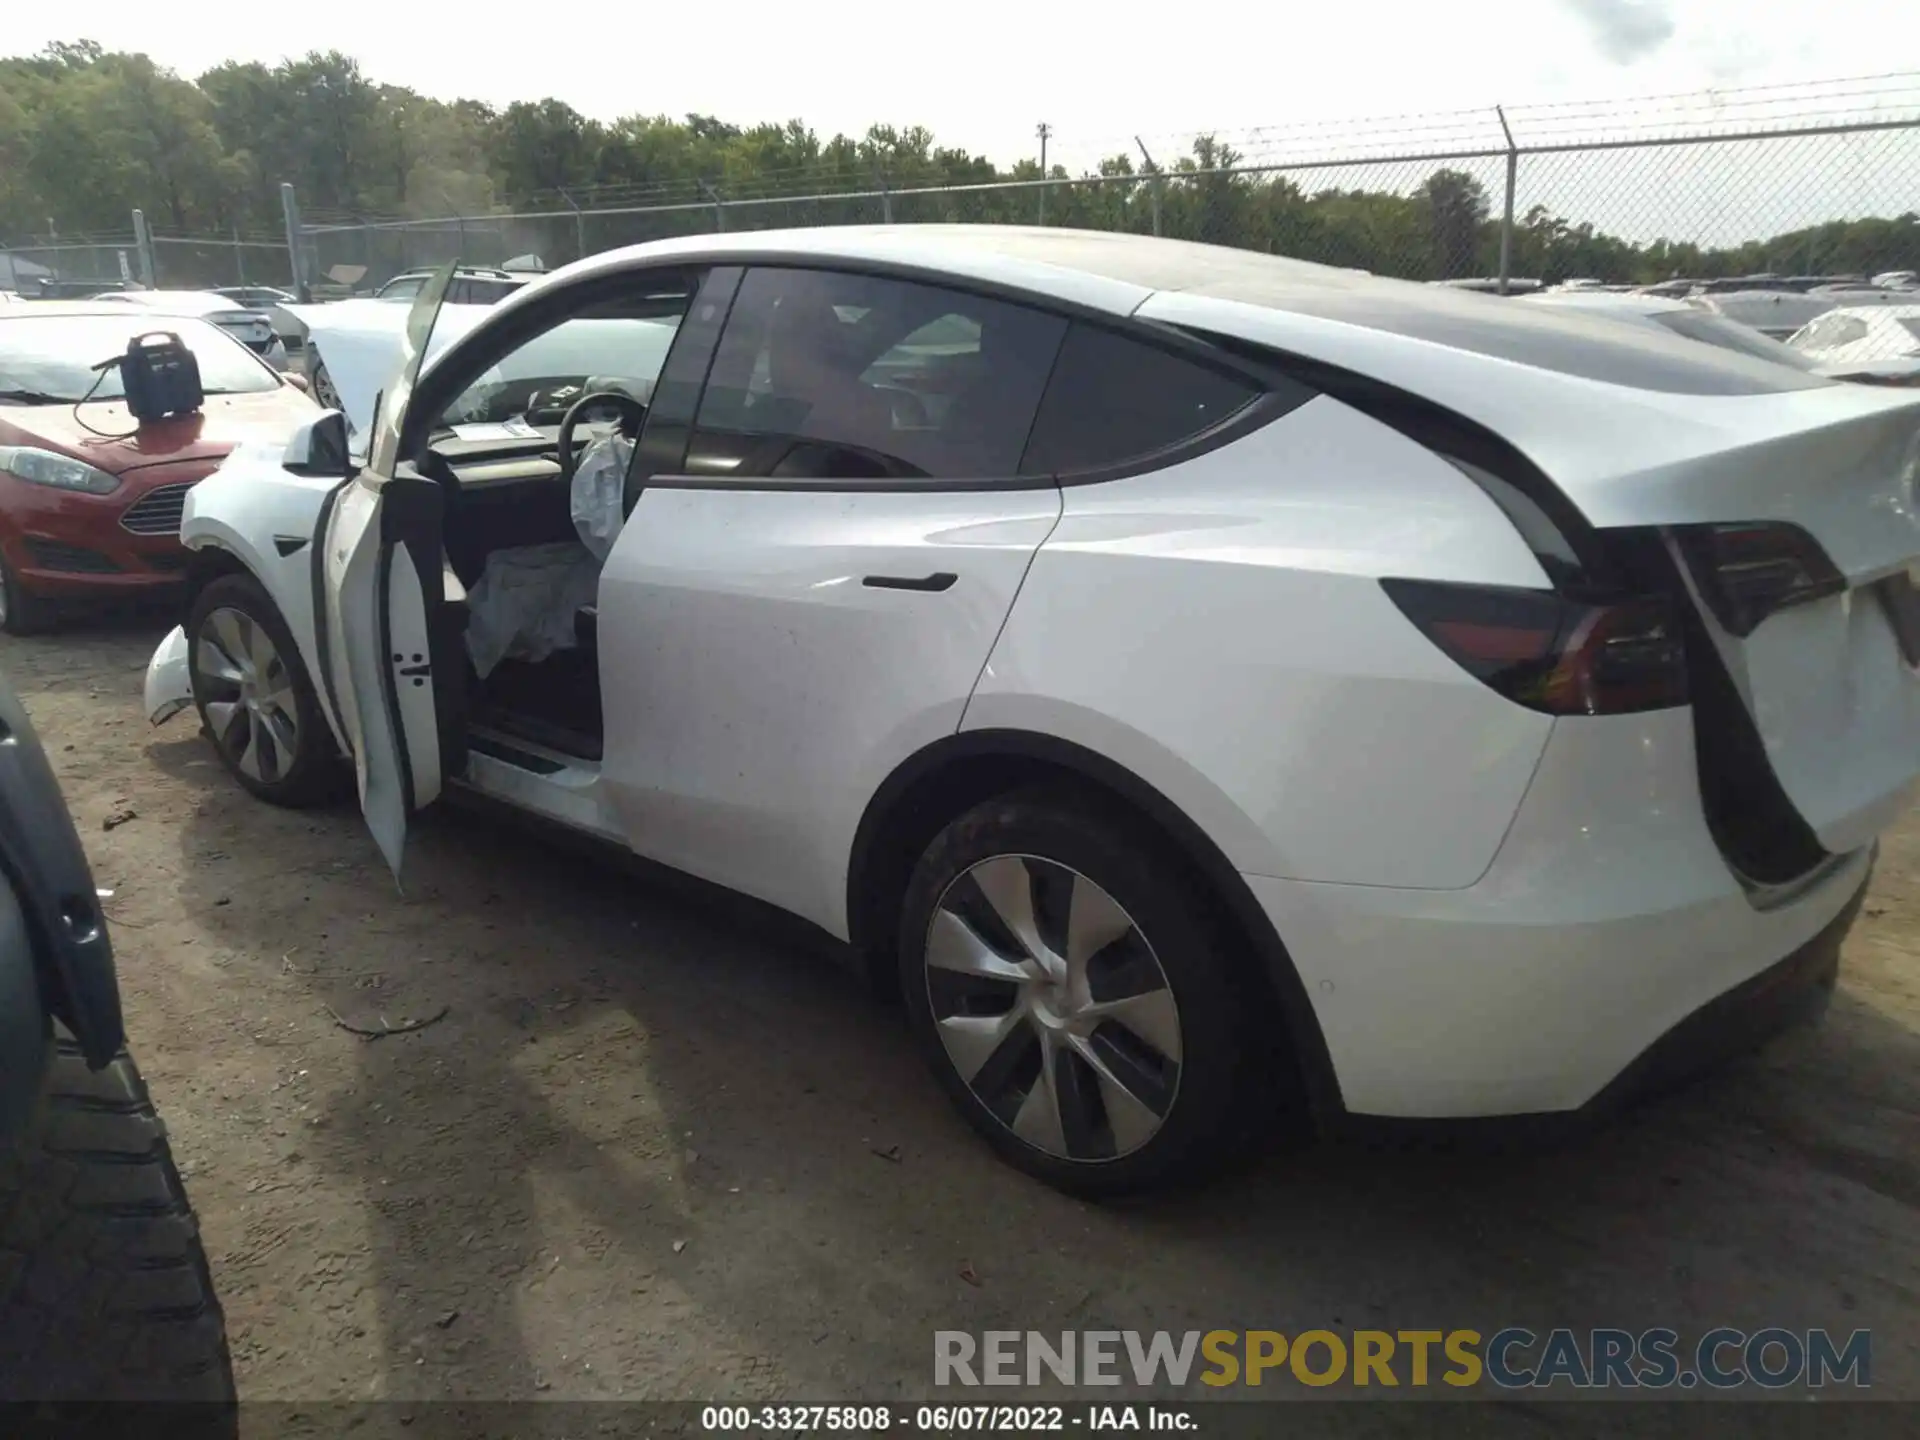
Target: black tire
x,y
105,1293
22,613
313,775
321,382
1221,1081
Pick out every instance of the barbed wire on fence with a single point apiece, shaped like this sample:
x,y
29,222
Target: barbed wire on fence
x,y
1811,175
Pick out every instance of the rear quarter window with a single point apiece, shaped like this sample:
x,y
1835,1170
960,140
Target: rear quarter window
x,y
1113,399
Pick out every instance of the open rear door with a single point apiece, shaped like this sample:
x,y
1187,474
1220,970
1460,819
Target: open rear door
x,y
378,576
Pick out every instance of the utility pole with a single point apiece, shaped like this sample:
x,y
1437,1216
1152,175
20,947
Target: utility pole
x,y
1153,193
296,246
719,205
1044,132
579,227
1506,215
143,248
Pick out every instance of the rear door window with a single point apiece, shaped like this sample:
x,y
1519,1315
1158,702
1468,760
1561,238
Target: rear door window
x,y
823,375
1114,399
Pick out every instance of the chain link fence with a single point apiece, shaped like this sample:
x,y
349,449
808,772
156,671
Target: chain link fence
x,y
1788,180
165,262
66,267
1625,213
185,263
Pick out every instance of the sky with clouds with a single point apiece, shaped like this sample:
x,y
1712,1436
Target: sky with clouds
x,y
983,74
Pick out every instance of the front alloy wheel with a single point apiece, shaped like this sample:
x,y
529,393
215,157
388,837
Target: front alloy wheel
x,y
254,695
249,702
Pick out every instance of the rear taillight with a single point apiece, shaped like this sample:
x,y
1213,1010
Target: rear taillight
x,y
1549,653
1747,571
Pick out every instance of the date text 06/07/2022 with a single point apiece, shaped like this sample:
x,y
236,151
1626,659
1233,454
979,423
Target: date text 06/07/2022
x,y
944,1419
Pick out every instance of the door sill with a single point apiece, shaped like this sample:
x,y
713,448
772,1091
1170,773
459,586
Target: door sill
x,y
512,748
515,752
544,782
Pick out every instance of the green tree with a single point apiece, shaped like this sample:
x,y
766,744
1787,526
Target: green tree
x,y
1456,206
88,134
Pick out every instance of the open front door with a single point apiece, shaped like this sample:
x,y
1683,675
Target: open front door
x,y
378,572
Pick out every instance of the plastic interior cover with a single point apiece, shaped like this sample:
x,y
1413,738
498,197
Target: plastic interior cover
x,y
524,605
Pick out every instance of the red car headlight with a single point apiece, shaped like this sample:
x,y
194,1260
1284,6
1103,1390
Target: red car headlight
x,y
61,472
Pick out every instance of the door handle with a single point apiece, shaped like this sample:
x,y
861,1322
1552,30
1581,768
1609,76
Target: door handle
x,y
936,582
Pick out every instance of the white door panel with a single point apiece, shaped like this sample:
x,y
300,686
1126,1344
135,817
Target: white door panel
x,y
758,687
379,659
376,638
351,560
409,662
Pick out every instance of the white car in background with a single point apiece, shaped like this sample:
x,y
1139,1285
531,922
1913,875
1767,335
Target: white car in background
x,y
1778,313
1193,674
1881,342
1690,319
1693,320
252,328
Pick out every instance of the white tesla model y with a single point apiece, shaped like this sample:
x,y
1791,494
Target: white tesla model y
x,y
1197,672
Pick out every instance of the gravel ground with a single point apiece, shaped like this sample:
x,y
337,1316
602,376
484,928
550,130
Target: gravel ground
x,y
638,1155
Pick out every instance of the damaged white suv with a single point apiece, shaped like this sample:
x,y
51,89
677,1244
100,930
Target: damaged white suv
x,y
1198,675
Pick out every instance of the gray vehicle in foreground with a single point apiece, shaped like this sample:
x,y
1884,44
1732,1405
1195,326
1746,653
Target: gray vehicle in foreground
x,y
104,1289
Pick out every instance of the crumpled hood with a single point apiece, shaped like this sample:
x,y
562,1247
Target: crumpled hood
x,y
362,342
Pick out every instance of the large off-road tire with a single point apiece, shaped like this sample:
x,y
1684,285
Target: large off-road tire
x,y
255,698
104,1289
1051,933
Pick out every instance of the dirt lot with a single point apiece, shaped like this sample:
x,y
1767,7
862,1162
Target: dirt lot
x,y
638,1155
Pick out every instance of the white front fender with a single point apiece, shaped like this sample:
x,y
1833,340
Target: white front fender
x,y
169,687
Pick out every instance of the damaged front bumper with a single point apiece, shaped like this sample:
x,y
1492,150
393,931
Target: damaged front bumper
x,y
169,686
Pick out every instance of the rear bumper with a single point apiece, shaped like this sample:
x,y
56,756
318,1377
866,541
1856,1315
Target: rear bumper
x,y
1786,993
1605,944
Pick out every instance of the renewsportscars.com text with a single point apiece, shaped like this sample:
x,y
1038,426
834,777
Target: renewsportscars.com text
x,y
1511,1359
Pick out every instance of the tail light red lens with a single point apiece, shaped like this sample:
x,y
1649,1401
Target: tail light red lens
x,y
1550,653
1750,570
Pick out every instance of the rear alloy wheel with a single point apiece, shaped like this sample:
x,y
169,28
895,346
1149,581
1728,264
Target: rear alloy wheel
x,y
1072,995
254,695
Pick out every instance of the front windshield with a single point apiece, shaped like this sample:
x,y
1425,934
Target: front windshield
x,y
46,359
542,378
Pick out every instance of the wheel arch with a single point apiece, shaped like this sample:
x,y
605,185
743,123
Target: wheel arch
x,y
946,778
224,552
207,564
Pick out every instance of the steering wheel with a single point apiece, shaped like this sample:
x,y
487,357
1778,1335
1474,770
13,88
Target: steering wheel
x,y
632,415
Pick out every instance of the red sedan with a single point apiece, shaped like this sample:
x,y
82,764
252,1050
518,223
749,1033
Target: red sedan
x,y
90,499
